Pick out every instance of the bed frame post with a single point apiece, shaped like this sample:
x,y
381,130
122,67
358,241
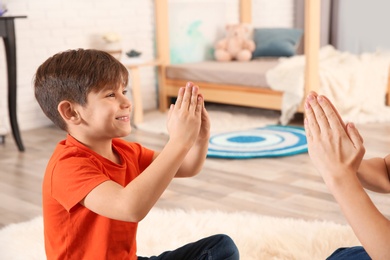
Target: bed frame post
x,y
239,94
162,39
246,11
312,45
388,91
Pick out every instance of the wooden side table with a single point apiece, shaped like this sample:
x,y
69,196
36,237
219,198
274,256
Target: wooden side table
x,y
7,32
135,79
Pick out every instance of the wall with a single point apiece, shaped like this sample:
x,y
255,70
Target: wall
x,y
273,13
58,25
361,26
195,26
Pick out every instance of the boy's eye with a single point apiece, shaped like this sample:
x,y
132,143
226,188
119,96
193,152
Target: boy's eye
x,y
111,95
124,91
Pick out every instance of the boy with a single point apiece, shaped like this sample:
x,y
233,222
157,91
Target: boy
x,y
97,187
337,152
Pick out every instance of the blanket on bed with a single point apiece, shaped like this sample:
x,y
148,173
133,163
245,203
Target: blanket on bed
x,y
356,84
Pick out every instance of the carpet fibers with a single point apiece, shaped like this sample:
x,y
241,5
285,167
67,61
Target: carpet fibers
x,y
257,237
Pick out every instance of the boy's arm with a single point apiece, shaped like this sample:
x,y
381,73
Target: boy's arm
x,y
374,174
336,151
133,202
195,158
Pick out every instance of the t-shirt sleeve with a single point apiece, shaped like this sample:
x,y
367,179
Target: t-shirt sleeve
x,y
145,158
73,178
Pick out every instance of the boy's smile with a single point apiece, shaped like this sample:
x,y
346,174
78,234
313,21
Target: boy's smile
x,y
106,115
124,118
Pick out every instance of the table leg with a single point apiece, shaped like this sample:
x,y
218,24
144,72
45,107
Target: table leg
x,y
10,49
137,97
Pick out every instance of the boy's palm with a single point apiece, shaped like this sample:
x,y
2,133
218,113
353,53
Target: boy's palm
x,y
184,118
204,132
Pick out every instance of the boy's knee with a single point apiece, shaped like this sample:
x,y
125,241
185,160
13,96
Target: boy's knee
x,y
227,245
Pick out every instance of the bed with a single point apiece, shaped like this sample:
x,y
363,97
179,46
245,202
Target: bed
x,y
236,83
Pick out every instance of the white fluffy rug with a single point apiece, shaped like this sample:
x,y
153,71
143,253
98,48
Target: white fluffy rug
x,y
223,118
257,237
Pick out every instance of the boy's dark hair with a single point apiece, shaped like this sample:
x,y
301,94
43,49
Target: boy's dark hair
x,y
72,75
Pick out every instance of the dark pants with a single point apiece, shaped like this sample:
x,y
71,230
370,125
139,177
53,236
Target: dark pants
x,y
217,247
350,253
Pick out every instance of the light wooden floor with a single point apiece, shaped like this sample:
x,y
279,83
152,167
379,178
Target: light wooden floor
x,y
283,187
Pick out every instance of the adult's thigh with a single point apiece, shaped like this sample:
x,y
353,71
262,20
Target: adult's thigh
x,y
350,253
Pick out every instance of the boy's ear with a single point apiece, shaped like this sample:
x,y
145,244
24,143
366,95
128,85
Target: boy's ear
x,y
68,112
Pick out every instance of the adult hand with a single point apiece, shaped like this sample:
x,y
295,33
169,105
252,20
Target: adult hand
x,y
335,149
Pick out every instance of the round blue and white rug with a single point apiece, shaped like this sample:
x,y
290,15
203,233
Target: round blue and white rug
x,y
268,141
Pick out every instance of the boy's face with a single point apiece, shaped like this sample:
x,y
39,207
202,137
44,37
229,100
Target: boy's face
x,y
107,114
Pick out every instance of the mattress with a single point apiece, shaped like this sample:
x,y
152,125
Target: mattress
x,y
251,73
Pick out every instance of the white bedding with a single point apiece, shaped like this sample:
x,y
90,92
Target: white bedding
x,y
356,84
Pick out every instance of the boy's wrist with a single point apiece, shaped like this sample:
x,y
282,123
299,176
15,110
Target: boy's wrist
x,y
182,147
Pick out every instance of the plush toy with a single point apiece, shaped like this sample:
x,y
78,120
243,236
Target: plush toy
x,y
237,44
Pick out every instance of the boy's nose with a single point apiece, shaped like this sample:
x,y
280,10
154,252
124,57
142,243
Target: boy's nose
x,y
125,102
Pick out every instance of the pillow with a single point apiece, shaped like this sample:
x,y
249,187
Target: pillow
x,y
276,42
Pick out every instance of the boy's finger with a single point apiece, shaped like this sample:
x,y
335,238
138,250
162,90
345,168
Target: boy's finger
x,y
171,108
194,99
179,98
187,96
200,104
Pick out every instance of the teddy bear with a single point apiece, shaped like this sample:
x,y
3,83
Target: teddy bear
x,y
237,44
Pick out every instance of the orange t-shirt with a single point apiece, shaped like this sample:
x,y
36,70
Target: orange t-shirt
x,y
73,231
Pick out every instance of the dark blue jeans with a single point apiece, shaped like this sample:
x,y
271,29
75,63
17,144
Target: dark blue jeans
x,y
217,247
350,253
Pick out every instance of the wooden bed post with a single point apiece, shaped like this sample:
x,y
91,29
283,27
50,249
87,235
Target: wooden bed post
x,y
162,39
388,91
312,45
240,94
246,11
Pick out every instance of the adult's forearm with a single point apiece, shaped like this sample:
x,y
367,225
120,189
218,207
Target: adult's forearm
x,y
370,226
373,174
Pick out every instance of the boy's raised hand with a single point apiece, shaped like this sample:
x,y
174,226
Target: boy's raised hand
x,y
204,132
185,116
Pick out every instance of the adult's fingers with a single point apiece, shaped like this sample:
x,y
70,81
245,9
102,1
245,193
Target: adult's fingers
x,y
331,114
354,134
309,135
318,112
337,113
331,104
311,123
